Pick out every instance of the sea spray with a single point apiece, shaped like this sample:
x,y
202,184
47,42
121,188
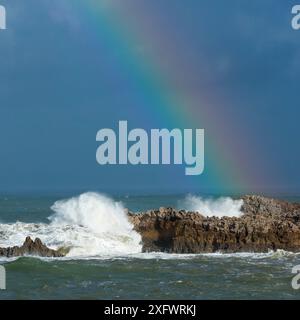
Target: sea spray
x,y
89,225
224,206
94,211
99,218
94,225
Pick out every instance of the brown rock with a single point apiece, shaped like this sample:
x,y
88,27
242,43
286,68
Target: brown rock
x,y
31,248
265,224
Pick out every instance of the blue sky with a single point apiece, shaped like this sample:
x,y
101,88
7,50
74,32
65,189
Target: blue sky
x,y
60,84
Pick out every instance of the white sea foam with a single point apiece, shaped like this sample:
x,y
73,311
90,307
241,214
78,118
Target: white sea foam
x,y
90,225
224,206
94,226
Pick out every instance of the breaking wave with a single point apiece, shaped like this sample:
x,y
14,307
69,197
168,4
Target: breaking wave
x,y
95,226
224,206
88,225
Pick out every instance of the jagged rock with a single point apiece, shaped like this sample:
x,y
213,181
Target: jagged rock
x,y
265,224
30,247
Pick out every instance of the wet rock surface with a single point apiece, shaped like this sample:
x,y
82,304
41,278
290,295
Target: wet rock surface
x,y
30,248
265,224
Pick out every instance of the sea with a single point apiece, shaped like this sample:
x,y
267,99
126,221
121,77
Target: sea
x,y
105,259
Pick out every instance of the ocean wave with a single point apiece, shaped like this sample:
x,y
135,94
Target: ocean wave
x,y
245,256
223,206
93,226
88,225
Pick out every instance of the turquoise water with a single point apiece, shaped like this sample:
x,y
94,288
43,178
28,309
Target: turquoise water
x,y
131,275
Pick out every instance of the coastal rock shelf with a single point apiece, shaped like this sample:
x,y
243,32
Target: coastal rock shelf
x,y
264,224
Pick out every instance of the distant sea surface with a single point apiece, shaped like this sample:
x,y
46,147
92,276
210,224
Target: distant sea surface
x,y
105,259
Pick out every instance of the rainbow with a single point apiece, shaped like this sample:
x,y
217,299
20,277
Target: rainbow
x,y
122,28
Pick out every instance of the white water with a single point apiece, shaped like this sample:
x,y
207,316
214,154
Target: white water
x,y
90,225
93,225
224,206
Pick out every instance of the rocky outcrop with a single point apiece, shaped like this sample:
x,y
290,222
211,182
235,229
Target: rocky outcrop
x,y
265,224
32,248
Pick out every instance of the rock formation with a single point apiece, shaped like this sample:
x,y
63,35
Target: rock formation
x,y
30,247
265,224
